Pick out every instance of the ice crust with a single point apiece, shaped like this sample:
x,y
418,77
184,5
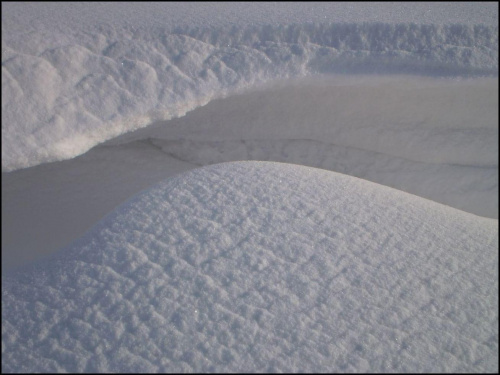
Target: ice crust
x,y
262,267
65,91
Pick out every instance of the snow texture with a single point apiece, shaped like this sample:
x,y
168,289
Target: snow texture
x,y
436,138
66,89
262,267
250,266
212,83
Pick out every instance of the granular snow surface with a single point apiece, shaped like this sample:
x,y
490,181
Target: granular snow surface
x,y
307,186
66,89
263,267
102,100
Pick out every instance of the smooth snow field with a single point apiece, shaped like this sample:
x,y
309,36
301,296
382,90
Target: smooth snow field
x,y
250,187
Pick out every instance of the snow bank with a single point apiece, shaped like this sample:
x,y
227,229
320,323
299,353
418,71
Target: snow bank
x,y
255,266
65,91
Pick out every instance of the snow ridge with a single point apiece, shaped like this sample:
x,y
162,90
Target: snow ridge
x,y
262,267
67,92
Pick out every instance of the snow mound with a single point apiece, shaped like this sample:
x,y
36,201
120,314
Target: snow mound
x,y
65,91
262,267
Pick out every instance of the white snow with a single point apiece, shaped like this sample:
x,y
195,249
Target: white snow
x,y
436,138
263,267
66,89
250,266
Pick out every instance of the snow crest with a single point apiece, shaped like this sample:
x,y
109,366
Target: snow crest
x,y
262,267
65,92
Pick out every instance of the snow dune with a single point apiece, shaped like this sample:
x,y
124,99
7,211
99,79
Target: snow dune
x,y
433,137
76,75
250,265
258,266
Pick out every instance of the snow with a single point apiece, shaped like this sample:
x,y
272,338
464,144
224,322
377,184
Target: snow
x,y
263,267
250,266
69,89
436,138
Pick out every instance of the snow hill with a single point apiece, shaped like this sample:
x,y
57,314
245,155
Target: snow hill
x,y
429,136
249,266
258,266
402,94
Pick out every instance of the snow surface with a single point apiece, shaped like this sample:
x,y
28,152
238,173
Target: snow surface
x,y
436,138
259,266
68,89
250,266
280,82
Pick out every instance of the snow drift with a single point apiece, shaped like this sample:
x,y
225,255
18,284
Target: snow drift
x,y
250,266
256,266
432,137
65,91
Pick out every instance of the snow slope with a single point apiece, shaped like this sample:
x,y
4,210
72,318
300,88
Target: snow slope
x,y
436,138
68,89
258,266
249,266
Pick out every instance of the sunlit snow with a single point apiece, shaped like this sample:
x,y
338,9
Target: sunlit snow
x,y
258,266
383,257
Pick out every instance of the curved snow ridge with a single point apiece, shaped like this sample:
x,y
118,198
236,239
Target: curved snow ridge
x,y
468,187
65,92
262,267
